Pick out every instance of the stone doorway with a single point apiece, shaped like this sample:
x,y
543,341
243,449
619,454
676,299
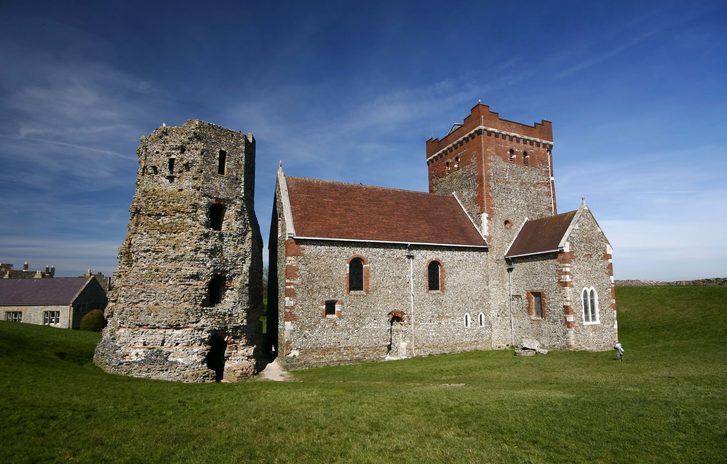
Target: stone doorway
x,y
396,348
215,358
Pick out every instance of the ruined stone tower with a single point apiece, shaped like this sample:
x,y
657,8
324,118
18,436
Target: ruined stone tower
x,y
187,292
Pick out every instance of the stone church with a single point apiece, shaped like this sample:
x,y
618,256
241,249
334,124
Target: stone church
x,y
481,261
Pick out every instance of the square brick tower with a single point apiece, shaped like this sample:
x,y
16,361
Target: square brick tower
x,y
502,173
187,292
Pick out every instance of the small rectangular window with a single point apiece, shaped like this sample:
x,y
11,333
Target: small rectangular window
x,y
536,305
222,162
330,307
51,317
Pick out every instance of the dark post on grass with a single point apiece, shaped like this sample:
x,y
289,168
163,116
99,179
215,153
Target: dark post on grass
x,y
619,351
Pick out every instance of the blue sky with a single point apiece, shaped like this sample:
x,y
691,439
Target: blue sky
x,y
637,92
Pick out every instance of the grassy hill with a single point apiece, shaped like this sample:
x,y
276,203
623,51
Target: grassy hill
x,y
666,402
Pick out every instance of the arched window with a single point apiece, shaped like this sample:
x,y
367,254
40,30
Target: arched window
x,y
467,320
356,275
434,276
511,155
481,319
526,158
589,298
456,162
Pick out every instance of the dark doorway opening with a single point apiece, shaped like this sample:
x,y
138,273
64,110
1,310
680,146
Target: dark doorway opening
x,y
215,358
396,317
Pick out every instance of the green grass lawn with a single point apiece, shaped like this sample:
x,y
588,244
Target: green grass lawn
x,y
665,403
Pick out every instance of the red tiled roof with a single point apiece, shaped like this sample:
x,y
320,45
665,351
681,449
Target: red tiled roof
x,y
541,235
336,210
40,292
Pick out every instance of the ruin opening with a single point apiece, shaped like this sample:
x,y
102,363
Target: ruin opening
x,y
221,162
330,307
217,215
170,165
215,358
216,290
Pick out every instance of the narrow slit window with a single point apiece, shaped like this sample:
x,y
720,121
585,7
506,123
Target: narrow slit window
x,y
216,290
538,305
481,319
170,165
433,271
217,216
221,162
511,155
526,158
467,320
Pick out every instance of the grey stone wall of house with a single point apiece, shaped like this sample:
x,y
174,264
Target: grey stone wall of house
x,y
186,298
34,314
592,266
361,328
91,297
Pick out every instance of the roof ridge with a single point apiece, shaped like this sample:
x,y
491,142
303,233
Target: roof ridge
x,y
554,216
352,184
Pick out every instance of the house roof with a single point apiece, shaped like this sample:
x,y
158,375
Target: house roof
x,y
541,235
336,210
40,292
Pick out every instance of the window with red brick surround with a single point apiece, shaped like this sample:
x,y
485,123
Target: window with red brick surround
x,y
536,305
435,276
332,308
357,275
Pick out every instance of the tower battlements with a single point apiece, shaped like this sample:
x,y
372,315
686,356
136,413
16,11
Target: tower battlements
x,y
482,120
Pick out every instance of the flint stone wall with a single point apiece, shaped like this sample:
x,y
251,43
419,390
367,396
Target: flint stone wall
x,y
316,271
592,266
162,323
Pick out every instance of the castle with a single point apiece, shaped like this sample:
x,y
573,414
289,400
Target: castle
x,y
481,261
